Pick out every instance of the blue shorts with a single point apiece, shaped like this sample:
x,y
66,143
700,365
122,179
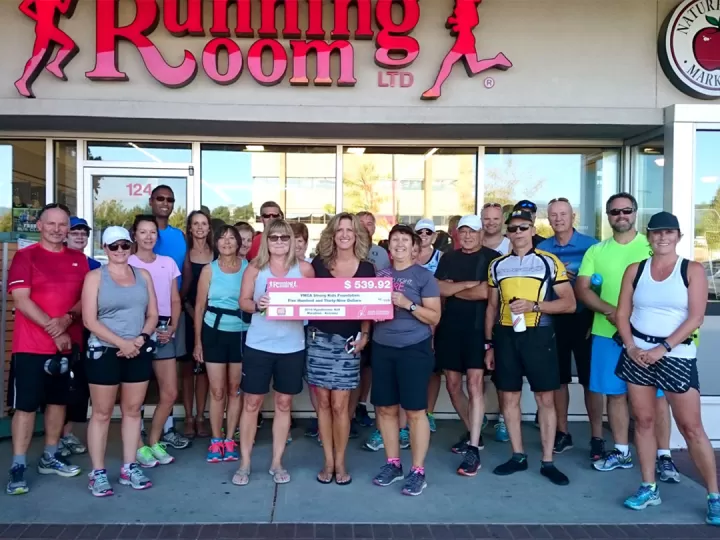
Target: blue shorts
x,y
604,360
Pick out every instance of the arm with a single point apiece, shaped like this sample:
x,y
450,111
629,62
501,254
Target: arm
x,y
247,290
26,9
449,288
26,306
429,311
490,318
590,298
151,313
307,270
175,308
625,307
565,302
201,302
479,291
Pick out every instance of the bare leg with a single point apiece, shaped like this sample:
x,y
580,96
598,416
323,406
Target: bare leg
x,y
325,426
642,399
234,376
434,391
513,420
202,385
103,400
341,431
476,65
280,428
594,404
217,375
54,421
548,422
166,374
188,395
132,396
445,69
453,383
23,424
476,411
387,422
618,415
419,437
562,400
248,427
663,425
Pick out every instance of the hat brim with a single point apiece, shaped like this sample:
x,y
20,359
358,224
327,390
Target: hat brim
x,y
80,226
671,228
508,220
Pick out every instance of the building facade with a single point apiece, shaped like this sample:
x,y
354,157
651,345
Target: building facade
x,y
330,106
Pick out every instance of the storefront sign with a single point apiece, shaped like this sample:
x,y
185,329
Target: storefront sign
x,y
689,48
329,299
224,59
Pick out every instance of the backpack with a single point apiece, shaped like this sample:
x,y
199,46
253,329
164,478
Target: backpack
x,y
683,272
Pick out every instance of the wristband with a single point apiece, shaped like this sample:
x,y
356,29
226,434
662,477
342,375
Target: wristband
x,y
145,336
667,346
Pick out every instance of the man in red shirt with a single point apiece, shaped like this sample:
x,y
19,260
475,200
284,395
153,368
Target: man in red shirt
x,y
45,281
269,211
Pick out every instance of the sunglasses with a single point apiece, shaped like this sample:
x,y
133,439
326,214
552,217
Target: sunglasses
x,y
559,199
617,211
528,206
516,228
425,232
125,246
492,205
163,198
279,238
270,216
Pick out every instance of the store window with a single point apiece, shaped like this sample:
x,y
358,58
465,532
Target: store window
x,y
66,178
139,152
238,179
648,185
402,185
585,176
707,207
22,187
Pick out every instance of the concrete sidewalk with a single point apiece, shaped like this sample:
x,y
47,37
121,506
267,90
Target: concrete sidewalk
x,y
191,491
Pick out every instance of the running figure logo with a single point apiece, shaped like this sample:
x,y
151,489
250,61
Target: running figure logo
x,y
47,14
461,24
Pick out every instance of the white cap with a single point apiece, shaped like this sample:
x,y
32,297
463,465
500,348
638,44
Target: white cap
x,y
113,234
425,223
472,221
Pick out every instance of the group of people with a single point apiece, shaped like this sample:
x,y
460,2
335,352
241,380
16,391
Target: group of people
x,y
505,302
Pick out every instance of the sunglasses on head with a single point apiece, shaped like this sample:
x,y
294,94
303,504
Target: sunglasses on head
x,y
528,206
125,246
516,228
624,211
492,205
559,199
163,198
270,216
279,237
425,232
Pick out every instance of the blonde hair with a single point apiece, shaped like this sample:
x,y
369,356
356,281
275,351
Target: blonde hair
x,y
326,248
279,226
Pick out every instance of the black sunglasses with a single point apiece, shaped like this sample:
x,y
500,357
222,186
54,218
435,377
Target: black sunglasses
x,y
425,232
559,199
527,205
516,228
270,216
617,211
163,198
491,205
279,237
125,246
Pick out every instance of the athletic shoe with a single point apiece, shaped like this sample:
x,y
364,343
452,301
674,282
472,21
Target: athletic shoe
x,y
146,458
374,442
174,439
73,444
431,421
563,441
404,438
645,496
614,460
231,451
389,474
597,449
415,484
713,510
313,429
501,432
460,447
134,477
158,450
362,416
57,465
666,470
470,463
552,473
17,485
354,433
215,451
99,485
512,466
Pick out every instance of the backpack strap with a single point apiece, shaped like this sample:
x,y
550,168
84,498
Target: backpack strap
x,y
640,269
684,272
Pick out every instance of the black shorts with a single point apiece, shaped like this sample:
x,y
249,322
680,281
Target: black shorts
x,y
111,370
285,370
222,347
32,387
572,335
532,354
400,375
669,374
459,351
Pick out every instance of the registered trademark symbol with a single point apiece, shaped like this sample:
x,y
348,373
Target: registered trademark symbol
x,y
489,82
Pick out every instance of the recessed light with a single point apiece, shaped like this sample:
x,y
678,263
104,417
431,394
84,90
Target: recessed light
x,y
356,151
255,148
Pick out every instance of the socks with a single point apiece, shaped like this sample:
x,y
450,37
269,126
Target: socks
x,y
661,453
126,466
624,448
544,464
394,461
519,457
652,486
19,460
169,424
51,450
419,470
501,419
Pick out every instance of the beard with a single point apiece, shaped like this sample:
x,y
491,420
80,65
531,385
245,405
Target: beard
x,y
622,226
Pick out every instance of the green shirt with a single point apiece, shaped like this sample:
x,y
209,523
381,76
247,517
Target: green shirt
x,y
610,260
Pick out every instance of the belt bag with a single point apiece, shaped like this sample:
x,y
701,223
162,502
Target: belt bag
x,y
219,312
649,339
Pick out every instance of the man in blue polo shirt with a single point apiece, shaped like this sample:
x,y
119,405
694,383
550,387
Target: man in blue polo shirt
x,y
572,331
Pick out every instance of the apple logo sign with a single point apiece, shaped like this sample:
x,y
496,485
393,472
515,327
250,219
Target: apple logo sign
x,y
689,48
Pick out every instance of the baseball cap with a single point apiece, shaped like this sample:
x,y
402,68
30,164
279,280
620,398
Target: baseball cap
x,y
425,223
526,205
472,221
663,221
519,214
114,233
78,222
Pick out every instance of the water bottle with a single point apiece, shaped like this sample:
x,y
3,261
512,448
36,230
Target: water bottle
x,y
518,320
596,282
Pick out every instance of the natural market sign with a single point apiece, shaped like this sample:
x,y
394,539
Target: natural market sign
x,y
689,48
223,60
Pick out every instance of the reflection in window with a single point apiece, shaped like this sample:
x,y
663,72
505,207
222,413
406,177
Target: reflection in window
x,y
707,207
66,174
141,152
22,187
402,185
648,161
586,177
236,181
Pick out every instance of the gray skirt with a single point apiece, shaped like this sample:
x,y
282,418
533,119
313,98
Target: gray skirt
x,y
328,365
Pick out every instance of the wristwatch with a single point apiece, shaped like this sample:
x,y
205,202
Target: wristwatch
x,y
667,346
536,307
413,307
145,336
72,316
489,345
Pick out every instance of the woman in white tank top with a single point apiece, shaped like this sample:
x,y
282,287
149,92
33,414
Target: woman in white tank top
x,y
274,349
662,304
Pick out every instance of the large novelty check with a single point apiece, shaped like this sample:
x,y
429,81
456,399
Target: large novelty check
x,y
330,298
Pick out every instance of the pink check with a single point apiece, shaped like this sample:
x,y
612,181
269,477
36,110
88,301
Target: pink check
x,y
330,298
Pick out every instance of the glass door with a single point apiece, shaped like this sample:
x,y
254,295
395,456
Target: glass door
x,y
114,196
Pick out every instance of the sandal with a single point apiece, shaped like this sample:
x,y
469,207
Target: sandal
x,y
189,431
325,476
241,477
280,476
347,479
202,431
